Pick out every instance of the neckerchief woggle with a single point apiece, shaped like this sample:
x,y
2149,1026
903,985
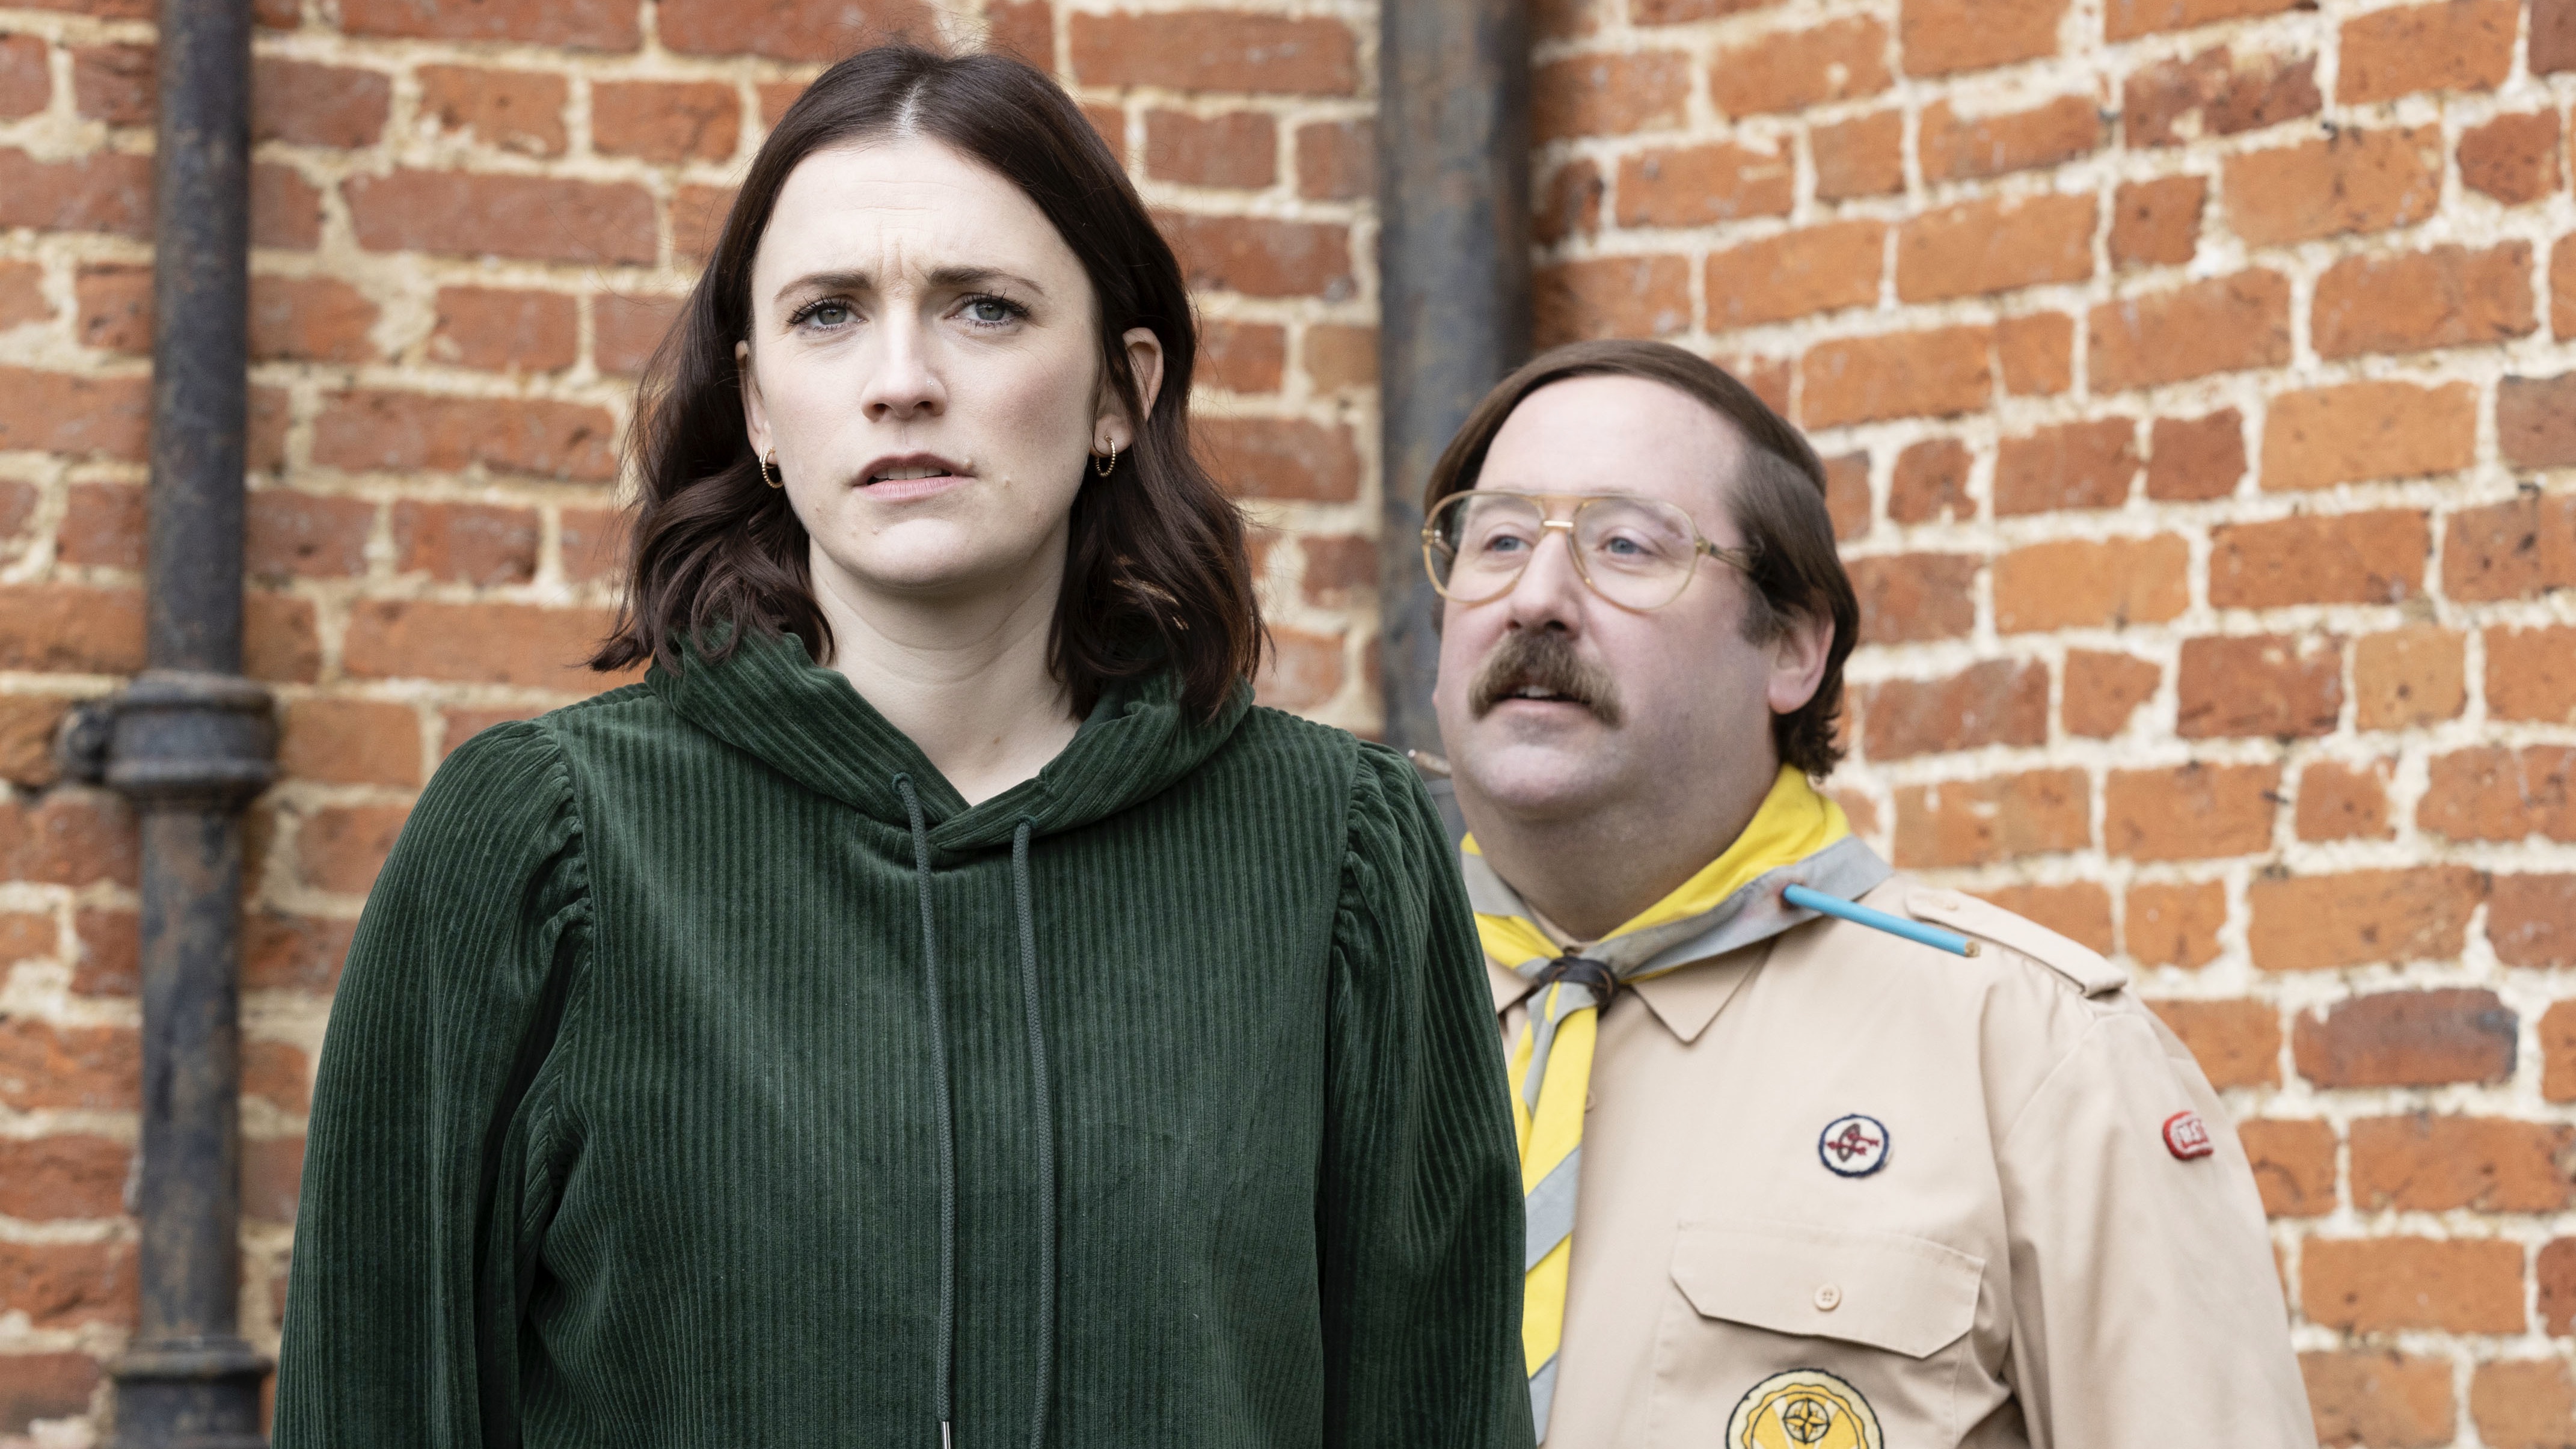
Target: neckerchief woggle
x,y
1798,837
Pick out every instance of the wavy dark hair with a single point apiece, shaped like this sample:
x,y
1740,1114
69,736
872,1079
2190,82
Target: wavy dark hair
x,y
1777,503
1156,572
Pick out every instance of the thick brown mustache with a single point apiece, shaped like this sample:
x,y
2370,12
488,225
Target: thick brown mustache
x,y
1544,660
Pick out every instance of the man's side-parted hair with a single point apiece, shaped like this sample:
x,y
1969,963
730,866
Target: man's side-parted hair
x,y
1157,575
1777,503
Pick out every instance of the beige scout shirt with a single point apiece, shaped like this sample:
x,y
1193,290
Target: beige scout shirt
x,y
2028,1263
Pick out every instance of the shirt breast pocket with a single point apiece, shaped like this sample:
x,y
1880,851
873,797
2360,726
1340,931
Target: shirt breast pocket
x,y
1792,1336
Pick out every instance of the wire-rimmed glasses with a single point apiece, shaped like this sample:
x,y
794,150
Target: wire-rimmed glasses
x,y
1638,553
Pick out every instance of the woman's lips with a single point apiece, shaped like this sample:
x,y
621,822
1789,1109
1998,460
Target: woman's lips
x,y
905,490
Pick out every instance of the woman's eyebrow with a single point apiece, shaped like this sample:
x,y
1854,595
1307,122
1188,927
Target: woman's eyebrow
x,y
943,278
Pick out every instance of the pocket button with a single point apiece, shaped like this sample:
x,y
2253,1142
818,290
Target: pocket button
x,y
1828,1298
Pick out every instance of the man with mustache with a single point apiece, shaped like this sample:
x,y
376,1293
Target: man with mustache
x,y
1865,1162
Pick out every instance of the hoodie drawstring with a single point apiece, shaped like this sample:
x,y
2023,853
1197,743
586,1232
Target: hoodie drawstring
x,y
1042,1107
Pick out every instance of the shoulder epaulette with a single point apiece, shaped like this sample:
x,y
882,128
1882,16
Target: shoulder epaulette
x,y
2073,960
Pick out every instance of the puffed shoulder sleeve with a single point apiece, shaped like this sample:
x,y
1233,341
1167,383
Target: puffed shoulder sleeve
x,y
2147,1308
1420,1206
401,1320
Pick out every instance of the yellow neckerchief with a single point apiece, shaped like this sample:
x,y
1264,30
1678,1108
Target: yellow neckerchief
x,y
1551,1066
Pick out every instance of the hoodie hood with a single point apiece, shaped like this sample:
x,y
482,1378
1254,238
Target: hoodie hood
x,y
771,700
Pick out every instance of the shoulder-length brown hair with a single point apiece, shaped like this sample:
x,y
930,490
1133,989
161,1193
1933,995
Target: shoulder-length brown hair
x,y
1777,503
1156,574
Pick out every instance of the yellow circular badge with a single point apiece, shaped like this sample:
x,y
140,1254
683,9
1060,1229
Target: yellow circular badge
x,y
1803,1409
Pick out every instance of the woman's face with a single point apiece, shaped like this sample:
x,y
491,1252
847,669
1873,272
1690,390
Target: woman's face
x,y
924,360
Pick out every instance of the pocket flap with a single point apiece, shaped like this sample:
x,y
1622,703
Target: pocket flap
x,y
1905,1294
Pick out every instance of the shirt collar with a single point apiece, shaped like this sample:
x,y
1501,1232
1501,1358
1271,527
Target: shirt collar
x,y
1685,999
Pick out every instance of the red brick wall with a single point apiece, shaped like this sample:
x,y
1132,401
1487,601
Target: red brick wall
x,y
2200,380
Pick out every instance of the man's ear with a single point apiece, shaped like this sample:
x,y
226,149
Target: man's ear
x,y
1798,655
755,414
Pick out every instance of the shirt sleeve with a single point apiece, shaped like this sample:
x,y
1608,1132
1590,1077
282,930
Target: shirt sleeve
x,y
1419,1212
402,1302
2147,1307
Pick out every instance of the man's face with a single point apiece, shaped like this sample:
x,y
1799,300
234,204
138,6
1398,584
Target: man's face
x,y
1638,701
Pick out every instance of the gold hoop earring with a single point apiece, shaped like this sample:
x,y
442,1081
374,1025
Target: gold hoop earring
x,y
769,473
1105,469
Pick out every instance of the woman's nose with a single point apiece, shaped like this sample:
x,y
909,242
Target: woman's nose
x,y
905,383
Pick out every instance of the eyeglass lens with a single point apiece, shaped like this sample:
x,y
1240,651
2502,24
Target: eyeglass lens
x,y
1636,552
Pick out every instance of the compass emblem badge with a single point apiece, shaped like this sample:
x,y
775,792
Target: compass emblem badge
x,y
1803,1409
1853,1146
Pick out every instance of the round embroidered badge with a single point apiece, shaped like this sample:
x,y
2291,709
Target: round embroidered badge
x,y
2187,1137
1853,1146
1803,1409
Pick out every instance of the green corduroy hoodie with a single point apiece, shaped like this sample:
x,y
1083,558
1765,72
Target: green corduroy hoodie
x,y
707,1073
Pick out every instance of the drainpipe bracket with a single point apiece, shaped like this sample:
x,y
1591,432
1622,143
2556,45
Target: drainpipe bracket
x,y
187,738
197,1392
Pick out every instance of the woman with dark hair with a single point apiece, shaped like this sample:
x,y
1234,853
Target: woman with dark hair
x,y
933,1007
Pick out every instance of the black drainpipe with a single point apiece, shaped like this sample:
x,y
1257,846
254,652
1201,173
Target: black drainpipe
x,y
1454,277
190,745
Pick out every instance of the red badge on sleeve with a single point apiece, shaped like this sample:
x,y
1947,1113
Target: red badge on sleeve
x,y
2187,1137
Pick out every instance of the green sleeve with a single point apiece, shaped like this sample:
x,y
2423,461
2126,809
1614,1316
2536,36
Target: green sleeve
x,y
402,1313
1420,1211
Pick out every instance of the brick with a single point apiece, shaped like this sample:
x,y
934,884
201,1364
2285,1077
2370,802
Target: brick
x,y
1337,356
2511,550
1698,185
22,295
1287,458
505,330
2356,431
2317,923
2294,1165
410,431
1262,258
1936,372
2451,45
2495,792
1679,12
1337,160
1768,377
113,308
45,1386
1608,95
2194,459
809,30
2089,584
272,1174
1236,148
2000,817
1864,156
2379,1400
1568,204
71,838
1997,702
279,644
2197,811
2531,921
1304,670
26,81
594,544
2353,558
1994,246
59,628
69,1068
2382,1285
2070,466
2524,1404
2224,324
2555,1269
64,1176
2553,36
468,543
351,742
27,726
2428,1163
2157,223
1930,483
2260,685
59,413
2449,296
1964,148
305,104
285,209
1217,50
2080,911
2513,158
1796,273
2036,353
2339,801
578,24
515,110
2536,421
310,319
2216,93
666,121
292,953
1847,500
60,1285
2237,1043
698,215
1915,596
108,956
1025,29
113,83
530,217
2531,674
1340,571
102,526
2353,181
104,191
25,935
2176,924
1612,297
1941,36
2104,691
1246,357
1790,70
517,644
625,330
341,848
290,534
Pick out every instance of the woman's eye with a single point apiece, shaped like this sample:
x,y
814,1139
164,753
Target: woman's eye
x,y
990,310
825,314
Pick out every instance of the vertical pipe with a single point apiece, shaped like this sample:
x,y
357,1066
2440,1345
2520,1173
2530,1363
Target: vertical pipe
x,y
190,746
1454,277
